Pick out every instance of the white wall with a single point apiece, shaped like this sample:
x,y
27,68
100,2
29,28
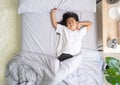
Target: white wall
x,y
9,34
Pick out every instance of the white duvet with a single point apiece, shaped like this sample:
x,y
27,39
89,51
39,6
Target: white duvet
x,y
36,69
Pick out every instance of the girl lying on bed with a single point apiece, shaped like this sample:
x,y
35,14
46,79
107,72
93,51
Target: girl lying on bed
x,y
71,33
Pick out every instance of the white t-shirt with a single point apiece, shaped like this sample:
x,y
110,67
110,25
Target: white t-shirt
x,y
69,41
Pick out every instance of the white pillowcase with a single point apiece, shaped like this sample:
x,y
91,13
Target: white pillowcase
x,y
83,5
40,6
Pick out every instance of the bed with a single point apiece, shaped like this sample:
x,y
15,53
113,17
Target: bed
x,y
37,64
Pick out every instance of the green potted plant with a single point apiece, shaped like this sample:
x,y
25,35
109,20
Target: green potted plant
x,y
112,70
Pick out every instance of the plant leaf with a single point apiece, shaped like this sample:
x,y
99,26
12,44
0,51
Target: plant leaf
x,y
112,74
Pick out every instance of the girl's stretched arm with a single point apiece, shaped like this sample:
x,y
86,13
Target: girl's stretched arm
x,y
53,18
86,23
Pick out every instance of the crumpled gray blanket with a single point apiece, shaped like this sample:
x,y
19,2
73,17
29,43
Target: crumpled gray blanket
x,y
36,69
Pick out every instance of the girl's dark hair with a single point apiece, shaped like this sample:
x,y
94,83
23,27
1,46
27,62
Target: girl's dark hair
x,y
68,15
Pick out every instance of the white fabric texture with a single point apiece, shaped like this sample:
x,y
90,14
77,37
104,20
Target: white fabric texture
x,y
37,33
83,5
36,69
40,6
37,63
69,41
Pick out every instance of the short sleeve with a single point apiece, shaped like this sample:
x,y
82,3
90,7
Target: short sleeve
x,y
83,31
59,28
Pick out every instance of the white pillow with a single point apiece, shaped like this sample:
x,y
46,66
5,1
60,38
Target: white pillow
x,y
40,6
83,5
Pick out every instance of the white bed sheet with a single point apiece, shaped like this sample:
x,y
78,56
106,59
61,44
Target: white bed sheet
x,y
39,36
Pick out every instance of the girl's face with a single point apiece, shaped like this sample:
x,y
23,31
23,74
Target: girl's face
x,y
71,23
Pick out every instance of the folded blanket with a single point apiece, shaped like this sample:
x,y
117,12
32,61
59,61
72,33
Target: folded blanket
x,y
36,69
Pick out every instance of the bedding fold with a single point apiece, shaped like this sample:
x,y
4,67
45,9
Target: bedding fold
x,y
35,69
27,68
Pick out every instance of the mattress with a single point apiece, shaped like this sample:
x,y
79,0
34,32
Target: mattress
x,y
36,63
38,34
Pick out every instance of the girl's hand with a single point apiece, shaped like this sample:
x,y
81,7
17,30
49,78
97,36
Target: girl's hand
x,y
79,25
87,24
53,10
